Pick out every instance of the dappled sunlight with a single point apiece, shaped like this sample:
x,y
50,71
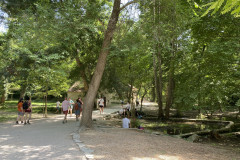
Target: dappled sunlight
x,y
42,152
5,138
168,157
144,158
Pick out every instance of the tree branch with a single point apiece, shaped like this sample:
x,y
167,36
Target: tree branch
x,y
127,4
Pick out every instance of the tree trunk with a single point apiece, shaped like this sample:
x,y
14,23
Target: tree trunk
x,y
169,98
159,97
86,120
170,88
130,92
22,91
153,92
3,98
82,74
159,83
46,106
145,92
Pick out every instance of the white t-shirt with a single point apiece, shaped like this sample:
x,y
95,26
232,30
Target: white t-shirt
x,y
58,104
128,106
101,102
121,111
125,123
65,105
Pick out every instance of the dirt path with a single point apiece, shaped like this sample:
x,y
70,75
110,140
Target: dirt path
x,y
43,139
110,142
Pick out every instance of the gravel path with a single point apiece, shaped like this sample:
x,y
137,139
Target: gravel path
x,y
111,142
45,138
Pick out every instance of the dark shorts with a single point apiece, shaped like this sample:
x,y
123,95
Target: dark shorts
x,y
28,110
77,112
65,112
100,106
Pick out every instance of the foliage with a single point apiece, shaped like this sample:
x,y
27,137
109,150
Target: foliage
x,y
225,6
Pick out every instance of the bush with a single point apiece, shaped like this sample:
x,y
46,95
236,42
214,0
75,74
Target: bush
x,y
135,123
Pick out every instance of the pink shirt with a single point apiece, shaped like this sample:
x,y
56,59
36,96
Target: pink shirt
x,y
65,105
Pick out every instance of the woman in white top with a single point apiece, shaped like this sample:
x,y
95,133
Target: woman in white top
x,y
101,105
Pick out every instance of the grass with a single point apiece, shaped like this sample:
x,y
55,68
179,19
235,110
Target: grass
x,y
8,111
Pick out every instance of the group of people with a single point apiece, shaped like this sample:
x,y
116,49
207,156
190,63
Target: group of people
x,y
24,111
125,109
125,112
67,107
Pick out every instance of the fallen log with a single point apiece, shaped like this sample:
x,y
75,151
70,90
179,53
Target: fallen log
x,y
214,133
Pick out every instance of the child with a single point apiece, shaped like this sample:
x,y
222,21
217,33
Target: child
x,y
20,111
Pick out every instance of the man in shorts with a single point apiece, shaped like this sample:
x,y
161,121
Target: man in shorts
x,y
70,108
65,105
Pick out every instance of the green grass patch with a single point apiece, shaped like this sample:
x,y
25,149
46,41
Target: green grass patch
x,y
7,117
8,111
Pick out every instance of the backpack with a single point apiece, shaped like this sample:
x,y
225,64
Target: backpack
x,y
76,106
25,105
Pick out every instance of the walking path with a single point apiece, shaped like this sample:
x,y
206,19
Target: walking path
x,y
45,138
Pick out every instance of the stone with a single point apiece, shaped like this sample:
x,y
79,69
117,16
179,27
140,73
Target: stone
x,y
193,138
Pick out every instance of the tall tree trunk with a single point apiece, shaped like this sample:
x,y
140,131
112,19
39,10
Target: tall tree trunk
x,y
159,57
46,100
160,111
153,92
86,120
22,91
82,74
130,92
145,92
199,97
170,90
3,98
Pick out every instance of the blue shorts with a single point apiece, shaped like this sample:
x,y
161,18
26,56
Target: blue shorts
x,y
20,113
77,112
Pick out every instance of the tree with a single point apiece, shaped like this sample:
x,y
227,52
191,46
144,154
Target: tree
x,y
97,76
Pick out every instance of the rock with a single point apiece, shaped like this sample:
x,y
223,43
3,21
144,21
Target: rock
x,y
193,138
156,133
107,117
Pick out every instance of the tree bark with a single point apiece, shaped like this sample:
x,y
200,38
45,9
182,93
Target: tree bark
x,y
82,74
159,84
170,88
160,111
169,98
3,98
86,120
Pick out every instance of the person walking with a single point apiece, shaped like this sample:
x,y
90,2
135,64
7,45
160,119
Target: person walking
x,y
65,105
28,112
70,108
78,108
57,107
101,105
20,111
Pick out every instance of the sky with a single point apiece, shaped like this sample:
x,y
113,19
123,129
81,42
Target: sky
x,y
4,29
